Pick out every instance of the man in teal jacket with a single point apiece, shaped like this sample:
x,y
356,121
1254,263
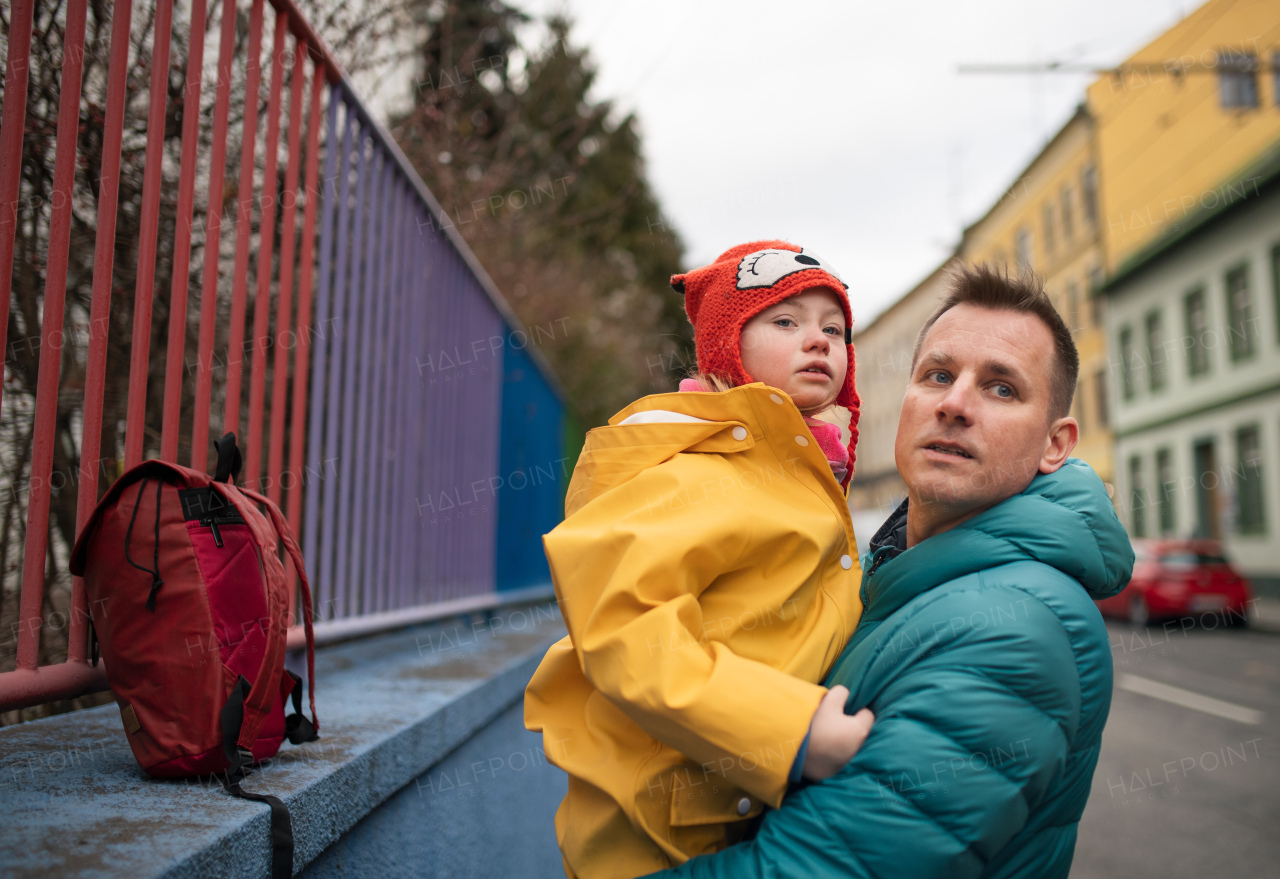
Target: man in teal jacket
x,y
980,652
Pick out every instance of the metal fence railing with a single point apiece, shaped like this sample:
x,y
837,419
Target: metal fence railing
x,y
418,489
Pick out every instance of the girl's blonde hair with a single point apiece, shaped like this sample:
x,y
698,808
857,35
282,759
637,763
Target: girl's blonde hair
x,y
710,382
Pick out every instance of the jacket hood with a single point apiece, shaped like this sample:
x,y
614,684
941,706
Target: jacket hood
x,y
656,428
1062,519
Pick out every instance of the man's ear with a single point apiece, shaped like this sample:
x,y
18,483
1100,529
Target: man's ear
x,y
1064,433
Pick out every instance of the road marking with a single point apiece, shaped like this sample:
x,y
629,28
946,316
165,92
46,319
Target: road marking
x,y
1188,699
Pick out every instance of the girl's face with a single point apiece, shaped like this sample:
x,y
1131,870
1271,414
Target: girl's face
x,y
797,346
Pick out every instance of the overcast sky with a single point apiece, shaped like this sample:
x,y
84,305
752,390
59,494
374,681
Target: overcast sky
x,y
845,126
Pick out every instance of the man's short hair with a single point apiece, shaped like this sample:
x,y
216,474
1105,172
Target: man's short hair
x,y
988,287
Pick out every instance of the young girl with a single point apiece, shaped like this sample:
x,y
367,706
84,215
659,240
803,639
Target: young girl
x,y
707,575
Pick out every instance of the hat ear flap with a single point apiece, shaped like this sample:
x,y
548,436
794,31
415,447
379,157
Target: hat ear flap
x,y
691,287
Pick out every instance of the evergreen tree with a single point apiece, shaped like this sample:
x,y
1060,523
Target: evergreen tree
x,y
548,187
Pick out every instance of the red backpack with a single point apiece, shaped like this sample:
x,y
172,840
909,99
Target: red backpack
x,y
189,602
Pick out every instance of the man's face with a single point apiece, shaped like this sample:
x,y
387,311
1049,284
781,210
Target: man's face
x,y
975,426
798,347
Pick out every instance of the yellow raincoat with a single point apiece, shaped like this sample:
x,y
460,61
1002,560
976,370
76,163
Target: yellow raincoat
x,y
707,573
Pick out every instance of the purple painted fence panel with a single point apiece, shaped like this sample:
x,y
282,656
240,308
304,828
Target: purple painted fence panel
x,y
329,602
393,511
360,241
462,395
320,349
408,380
417,454
384,452
374,384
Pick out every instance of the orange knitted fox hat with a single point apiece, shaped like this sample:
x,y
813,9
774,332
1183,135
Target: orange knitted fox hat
x,y
743,281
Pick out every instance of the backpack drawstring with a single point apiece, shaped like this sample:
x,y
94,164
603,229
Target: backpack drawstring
x,y
156,582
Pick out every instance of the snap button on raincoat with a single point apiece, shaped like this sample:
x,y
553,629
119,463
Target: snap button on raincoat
x,y
706,576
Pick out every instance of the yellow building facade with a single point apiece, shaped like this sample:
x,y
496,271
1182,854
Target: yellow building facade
x,y
1050,222
1170,132
1181,118
883,366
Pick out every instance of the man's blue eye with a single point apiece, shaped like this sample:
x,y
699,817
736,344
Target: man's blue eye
x,y
939,376
1004,391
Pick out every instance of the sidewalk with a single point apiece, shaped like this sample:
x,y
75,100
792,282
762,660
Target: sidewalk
x,y
1265,616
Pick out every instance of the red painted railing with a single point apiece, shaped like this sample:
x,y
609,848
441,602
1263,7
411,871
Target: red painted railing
x,y
28,683
396,199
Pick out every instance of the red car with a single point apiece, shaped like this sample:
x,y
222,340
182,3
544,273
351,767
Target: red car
x,y
1181,578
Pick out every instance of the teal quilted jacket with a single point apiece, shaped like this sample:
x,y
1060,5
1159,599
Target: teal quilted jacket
x,y
989,672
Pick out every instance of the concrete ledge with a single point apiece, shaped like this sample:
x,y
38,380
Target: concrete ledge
x,y
391,708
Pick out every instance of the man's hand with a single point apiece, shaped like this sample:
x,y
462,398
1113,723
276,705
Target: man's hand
x,y
834,737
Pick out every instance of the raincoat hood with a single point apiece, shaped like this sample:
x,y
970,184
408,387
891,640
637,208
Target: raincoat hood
x,y
661,426
1063,519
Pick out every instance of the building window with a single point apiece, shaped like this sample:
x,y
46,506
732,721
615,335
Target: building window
x,y
1137,499
1275,275
1275,76
1047,213
1023,247
1078,406
1089,194
1242,330
1197,323
1252,518
1167,487
1100,398
1207,481
1126,363
1095,296
1068,221
1155,351
1073,305
1238,79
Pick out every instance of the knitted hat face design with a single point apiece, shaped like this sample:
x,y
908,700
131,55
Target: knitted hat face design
x,y
745,280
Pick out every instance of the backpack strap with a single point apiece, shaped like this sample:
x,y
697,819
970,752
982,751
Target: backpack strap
x,y
291,546
229,459
239,761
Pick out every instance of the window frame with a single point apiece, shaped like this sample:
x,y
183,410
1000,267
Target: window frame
x,y
1096,299
1068,221
1153,336
1251,514
1242,344
1046,219
1238,80
1275,265
1100,399
1166,482
1089,194
1124,344
1137,501
1024,245
1199,363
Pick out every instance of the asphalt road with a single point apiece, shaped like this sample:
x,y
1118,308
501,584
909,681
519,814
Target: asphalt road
x,y
1188,782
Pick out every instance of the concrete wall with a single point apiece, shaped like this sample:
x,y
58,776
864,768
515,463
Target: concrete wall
x,y
486,810
422,769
